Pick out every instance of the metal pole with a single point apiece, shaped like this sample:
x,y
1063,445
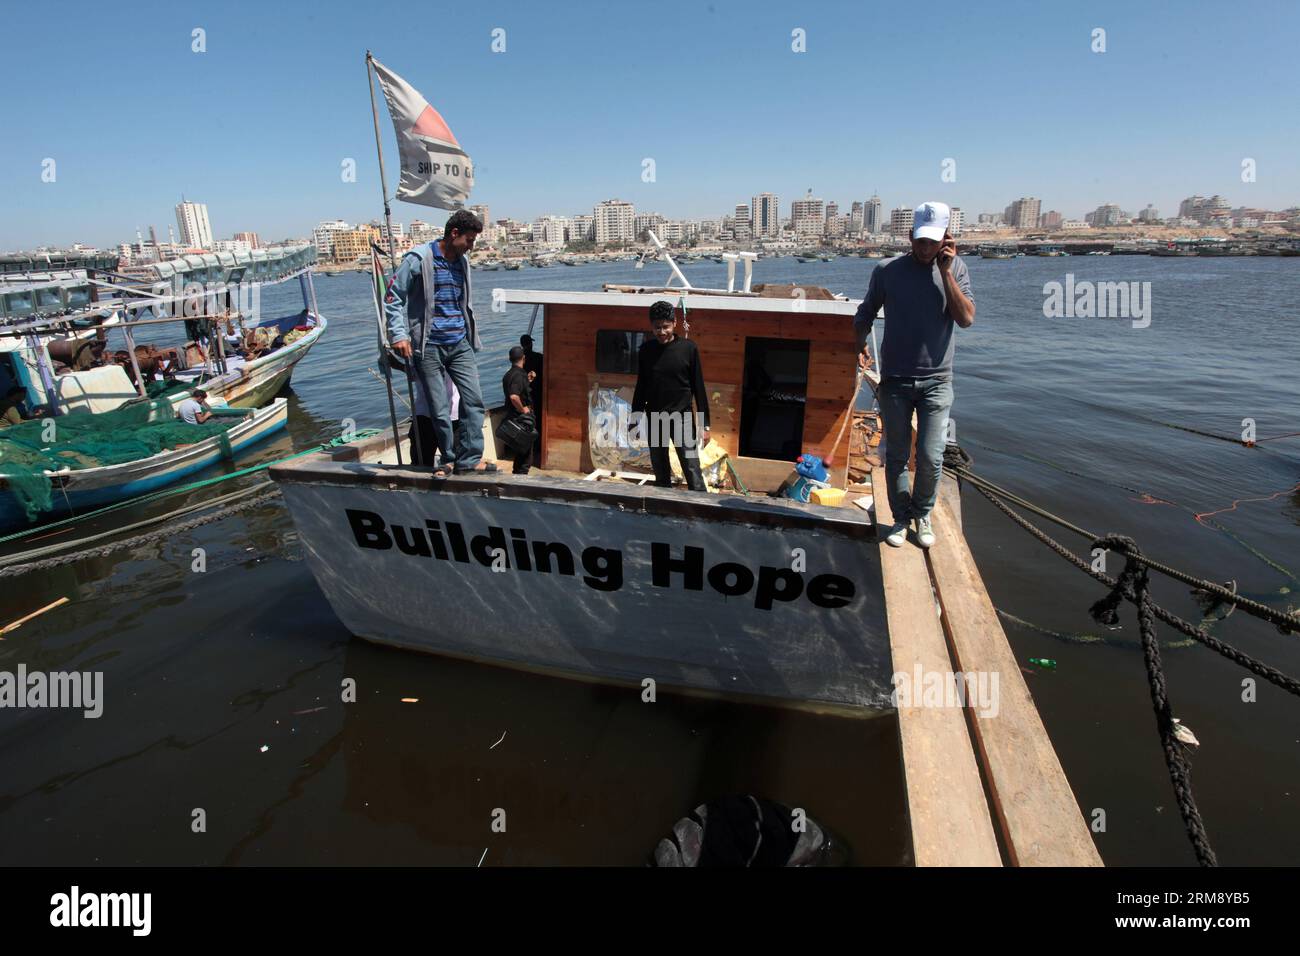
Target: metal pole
x,y
379,148
47,377
130,350
385,352
668,258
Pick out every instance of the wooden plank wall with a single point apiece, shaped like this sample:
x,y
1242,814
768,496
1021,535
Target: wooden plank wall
x,y
570,350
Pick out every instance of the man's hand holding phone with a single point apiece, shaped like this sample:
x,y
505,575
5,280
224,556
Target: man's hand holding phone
x,y
947,252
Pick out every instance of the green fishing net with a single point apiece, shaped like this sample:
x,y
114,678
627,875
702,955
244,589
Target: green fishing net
x,y
84,440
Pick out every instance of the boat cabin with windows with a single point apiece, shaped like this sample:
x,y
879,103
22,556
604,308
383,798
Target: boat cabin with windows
x,y
779,368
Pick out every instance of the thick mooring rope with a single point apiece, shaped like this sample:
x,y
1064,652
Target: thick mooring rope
x,y
1133,585
1134,579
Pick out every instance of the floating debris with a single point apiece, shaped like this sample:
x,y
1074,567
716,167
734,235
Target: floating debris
x,y
1183,734
410,700
503,737
1045,663
265,748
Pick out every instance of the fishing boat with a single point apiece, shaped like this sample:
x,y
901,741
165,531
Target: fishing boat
x,y
100,302
741,592
71,491
997,251
1051,251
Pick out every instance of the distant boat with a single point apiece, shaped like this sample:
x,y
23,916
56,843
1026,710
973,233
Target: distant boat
x,y
512,266
997,252
1051,251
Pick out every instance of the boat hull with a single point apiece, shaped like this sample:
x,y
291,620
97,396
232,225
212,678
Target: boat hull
x,y
559,576
92,488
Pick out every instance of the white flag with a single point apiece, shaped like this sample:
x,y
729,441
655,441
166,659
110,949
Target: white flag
x,y
435,170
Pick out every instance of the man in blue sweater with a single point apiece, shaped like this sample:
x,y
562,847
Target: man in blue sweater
x,y
926,294
431,325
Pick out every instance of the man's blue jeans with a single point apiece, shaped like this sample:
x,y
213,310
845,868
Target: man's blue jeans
x,y
458,362
930,398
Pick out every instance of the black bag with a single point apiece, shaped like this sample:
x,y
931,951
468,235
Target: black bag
x,y
518,433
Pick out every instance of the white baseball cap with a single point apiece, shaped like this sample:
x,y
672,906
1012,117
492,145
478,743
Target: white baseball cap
x,y
930,221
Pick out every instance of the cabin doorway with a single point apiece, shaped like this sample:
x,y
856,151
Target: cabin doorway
x,y
774,395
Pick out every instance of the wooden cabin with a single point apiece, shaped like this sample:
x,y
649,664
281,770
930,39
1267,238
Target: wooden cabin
x,y
780,370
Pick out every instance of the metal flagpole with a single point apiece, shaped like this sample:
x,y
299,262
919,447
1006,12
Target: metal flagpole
x,y
379,148
379,292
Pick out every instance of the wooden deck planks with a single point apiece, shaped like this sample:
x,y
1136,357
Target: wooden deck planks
x,y
949,815
1037,813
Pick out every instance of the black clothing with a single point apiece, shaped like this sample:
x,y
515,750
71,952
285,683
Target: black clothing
x,y
663,466
668,377
515,382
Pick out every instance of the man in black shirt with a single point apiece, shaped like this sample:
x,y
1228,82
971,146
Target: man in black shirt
x,y
518,402
669,376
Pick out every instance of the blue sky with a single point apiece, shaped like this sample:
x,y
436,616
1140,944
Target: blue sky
x,y
258,125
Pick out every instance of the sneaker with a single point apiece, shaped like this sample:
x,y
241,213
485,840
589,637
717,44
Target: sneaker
x,y
897,535
924,533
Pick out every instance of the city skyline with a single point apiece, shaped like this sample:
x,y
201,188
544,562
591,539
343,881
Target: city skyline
x,y
1056,120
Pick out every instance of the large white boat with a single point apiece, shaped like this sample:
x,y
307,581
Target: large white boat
x,y
601,575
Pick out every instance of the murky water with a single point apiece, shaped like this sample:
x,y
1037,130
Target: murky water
x,y
222,688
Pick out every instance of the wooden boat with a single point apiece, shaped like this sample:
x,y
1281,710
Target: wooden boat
x,y
77,491
750,595
25,341
997,252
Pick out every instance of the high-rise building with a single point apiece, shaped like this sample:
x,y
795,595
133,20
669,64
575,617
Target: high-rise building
x,y
550,231
1107,214
855,217
956,220
1150,214
1189,207
900,221
614,221
323,237
1023,213
873,216
765,215
740,223
582,229
645,221
808,216
250,238
351,244
1050,220
192,221
483,213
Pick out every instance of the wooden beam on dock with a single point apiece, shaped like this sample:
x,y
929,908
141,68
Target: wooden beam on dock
x,y
949,815
1039,819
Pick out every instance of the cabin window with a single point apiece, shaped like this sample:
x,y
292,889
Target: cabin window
x,y
616,351
773,398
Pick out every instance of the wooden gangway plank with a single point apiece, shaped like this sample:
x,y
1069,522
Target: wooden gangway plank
x,y
1038,817
949,815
